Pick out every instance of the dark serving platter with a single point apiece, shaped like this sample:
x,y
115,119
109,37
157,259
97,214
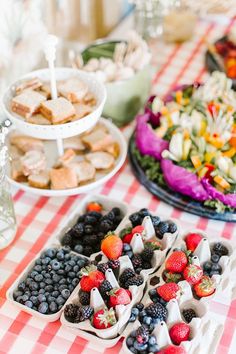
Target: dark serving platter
x,y
176,200
213,65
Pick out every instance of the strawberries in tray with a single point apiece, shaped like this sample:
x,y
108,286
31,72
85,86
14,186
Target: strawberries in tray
x,y
90,278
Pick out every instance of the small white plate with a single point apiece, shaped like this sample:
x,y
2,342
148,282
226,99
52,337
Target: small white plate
x,y
101,177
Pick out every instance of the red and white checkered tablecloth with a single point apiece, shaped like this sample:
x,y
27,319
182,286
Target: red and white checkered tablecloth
x,y
38,218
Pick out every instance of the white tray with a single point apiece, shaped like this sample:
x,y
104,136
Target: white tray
x,y
52,132
101,177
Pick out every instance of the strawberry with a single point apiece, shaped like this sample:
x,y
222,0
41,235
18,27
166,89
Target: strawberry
x,y
119,296
205,287
94,206
176,262
90,278
104,318
192,240
170,277
155,245
138,229
193,274
168,291
179,332
172,349
127,238
112,246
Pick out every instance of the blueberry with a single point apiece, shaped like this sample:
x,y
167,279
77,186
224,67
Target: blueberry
x,y
56,278
135,311
140,346
142,313
130,341
76,268
22,286
71,275
144,212
38,277
19,299
68,268
61,272
129,254
60,255
132,318
213,272
135,219
154,348
74,282
216,267
65,293
55,265
126,247
29,304
41,298
17,293
43,307
46,260
34,286
133,334
155,220
33,273
139,306
34,293
152,340
147,320
152,292
51,298
55,293
207,266
62,287
60,300
51,252
215,258
41,291
49,288
38,268
34,300
155,320
53,307
62,281
133,350
42,285
151,327
25,298
48,281
47,275
38,261
71,287
81,263
172,227
79,248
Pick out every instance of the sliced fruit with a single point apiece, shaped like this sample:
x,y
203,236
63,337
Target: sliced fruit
x,y
119,296
112,246
179,332
193,274
168,291
94,206
221,182
205,287
90,278
104,318
192,240
176,262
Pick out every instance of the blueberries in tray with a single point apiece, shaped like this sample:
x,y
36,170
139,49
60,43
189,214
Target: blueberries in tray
x,y
50,282
91,227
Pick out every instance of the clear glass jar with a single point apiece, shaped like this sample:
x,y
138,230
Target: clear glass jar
x,y
7,214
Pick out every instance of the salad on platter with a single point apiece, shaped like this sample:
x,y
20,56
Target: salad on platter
x,y
187,142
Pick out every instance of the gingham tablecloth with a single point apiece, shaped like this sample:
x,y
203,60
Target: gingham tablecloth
x,y
39,217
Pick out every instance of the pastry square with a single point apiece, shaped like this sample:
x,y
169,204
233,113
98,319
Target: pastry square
x,y
27,103
58,111
63,178
73,89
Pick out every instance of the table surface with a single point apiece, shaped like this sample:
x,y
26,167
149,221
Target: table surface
x,y
39,218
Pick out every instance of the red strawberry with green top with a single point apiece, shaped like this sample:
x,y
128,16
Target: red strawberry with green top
x,y
193,274
90,278
205,287
168,291
170,277
127,238
94,206
176,262
138,229
119,296
179,332
112,246
192,240
155,245
172,349
104,318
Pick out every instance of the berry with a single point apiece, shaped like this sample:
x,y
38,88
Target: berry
x,y
193,274
70,312
176,262
162,228
90,278
106,225
172,227
215,258
43,307
104,288
205,287
189,314
114,264
171,277
126,247
155,245
85,313
90,240
53,307
179,332
216,267
104,318
142,335
112,246
207,266
138,229
139,306
137,280
135,219
168,291
66,240
88,250
141,348
119,296
129,341
127,238
172,349
137,261
220,249
147,254
102,267
90,219
94,206
155,220
116,211
65,293
78,230
79,248
144,212
127,274
157,311
84,297
192,240
88,230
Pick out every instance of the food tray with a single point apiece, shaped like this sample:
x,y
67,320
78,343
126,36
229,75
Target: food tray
x,y
101,177
52,132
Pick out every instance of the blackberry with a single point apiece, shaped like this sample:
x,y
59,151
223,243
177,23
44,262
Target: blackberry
x,y
142,335
88,229
104,288
155,220
100,236
66,240
85,313
95,214
70,312
157,311
172,227
144,212
137,280
90,240
216,268
162,228
189,314
84,297
135,219
127,274
220,249
81,218
102,267
90,220
88,250
111,216
114,263
116,211
78,230
106,225
147,254
147,265
137,261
